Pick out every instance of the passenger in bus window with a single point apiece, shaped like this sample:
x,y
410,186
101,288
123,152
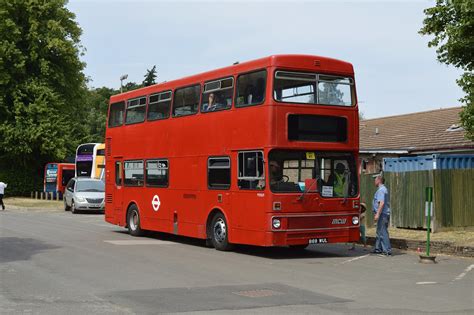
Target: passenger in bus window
x,y
207,106
276,174
212,104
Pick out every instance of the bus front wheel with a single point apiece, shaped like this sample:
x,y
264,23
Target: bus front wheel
x,y
133,221
220,233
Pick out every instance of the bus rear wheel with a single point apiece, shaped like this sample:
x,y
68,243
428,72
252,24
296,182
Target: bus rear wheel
x,y
133,221
220,233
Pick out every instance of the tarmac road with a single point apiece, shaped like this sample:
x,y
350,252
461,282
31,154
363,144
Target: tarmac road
x,y
60,263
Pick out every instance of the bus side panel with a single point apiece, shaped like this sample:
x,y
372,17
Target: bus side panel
x,y
249,219
155,207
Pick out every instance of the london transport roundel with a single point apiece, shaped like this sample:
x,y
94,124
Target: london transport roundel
x,y
155,202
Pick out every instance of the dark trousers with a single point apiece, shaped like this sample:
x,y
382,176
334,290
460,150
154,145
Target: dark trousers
x,y
1,202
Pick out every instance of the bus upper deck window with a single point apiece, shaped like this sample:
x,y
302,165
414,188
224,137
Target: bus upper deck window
x,y
251,88
335,90
159,106
313,88
116,114
217,95
135,110
186,100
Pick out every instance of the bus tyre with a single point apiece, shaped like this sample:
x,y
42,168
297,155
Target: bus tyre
x,y
66,208
73,207
133,221
220,233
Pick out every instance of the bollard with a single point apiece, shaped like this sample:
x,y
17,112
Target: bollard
x,y
50,195
57,196
36,195
427,259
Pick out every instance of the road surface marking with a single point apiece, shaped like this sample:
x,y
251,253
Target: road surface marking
x,y
462,275
138,242
426,282
354,259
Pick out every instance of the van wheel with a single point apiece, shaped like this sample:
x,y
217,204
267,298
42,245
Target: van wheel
x,y
73,207
220,233
66,207
133,221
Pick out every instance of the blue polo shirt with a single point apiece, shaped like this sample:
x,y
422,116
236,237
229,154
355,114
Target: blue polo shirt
x,y
382,195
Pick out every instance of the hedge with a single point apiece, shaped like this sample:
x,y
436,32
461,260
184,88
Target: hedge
x,y
21,182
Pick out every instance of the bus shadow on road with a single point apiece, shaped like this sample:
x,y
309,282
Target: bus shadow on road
x,y
292,253
312,251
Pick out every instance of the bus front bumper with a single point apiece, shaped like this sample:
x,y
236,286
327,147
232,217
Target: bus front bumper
x,y
321,228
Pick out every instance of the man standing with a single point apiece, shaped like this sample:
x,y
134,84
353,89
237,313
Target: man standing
x,y
381,208
2,192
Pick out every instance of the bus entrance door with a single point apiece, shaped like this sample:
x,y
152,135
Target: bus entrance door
x,y
114,190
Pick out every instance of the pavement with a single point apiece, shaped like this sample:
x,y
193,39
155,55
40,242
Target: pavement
x,y
59,263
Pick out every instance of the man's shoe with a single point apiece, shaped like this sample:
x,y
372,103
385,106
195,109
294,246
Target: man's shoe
x,y
385,254
376,252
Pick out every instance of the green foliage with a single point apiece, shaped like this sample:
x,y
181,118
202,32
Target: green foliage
x,y
97,101
42,86
150,77
21,181
451,22
131,86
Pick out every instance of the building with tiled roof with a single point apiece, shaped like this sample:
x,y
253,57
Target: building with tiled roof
x,y
430,132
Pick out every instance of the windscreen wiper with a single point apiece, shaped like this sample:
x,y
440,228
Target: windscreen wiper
x,y
301,197
316,177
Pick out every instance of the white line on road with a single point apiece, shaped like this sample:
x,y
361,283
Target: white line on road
x,y
354,259
427,282
139,242
462,275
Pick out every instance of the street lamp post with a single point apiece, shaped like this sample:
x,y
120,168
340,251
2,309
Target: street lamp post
x,y
123,77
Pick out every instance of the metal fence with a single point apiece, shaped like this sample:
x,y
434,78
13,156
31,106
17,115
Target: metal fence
x,y
453,197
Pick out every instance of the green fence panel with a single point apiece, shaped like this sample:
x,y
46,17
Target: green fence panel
x,y
453,197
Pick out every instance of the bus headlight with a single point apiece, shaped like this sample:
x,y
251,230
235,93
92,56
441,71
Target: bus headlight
x,y
355,220
276,223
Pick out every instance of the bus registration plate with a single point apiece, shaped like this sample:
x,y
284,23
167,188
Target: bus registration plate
x,y
318,240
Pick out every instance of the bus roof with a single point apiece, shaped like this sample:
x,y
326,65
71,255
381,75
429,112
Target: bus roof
x,y
300,62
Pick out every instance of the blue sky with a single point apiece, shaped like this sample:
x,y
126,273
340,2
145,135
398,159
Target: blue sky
x,y
396,72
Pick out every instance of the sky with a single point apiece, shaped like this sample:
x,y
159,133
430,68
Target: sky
x,y
395,71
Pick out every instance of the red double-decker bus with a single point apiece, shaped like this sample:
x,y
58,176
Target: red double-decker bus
x,y
263,153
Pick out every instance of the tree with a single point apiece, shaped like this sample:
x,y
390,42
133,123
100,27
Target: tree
x,y
150,77
451,22
42,85
97,101
131,86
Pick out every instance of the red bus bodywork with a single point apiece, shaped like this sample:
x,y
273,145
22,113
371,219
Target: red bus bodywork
x,y
57,175
187,204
